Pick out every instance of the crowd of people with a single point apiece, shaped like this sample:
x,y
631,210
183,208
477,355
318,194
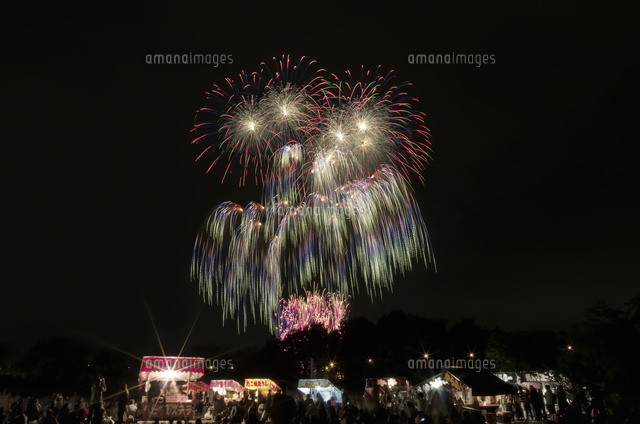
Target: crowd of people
x,y
76,409
532,405
437,406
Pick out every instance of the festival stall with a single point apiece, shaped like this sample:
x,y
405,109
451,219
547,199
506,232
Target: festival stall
x,y
478,391
320,386
539,380
166,382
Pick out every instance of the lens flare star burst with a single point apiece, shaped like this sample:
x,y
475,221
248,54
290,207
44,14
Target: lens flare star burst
x,y
334,158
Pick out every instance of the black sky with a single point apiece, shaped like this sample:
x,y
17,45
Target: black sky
x,y
531,199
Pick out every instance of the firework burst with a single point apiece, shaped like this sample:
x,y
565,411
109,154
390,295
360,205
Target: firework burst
x,y
297,313
334,158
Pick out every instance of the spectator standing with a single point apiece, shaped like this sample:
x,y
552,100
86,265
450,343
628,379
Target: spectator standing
x,y
123,401
536,403
562,400
550,401
421,403
527,404
283,407
96,403
34,409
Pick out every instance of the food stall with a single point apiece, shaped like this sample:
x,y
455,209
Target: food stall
x,y
166,383
478,391
320,386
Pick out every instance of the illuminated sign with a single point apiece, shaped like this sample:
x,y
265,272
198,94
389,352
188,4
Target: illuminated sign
x,y
261,384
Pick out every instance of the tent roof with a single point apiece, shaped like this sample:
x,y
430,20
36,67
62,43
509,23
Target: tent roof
x,y
316,383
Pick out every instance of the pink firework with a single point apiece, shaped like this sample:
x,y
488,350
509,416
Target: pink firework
x,y
329,310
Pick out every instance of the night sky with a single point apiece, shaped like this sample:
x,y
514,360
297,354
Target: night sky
x,y
530,200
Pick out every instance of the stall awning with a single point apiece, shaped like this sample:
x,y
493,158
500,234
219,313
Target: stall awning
x,y
224,385
482,383
198,386
314,383
322,386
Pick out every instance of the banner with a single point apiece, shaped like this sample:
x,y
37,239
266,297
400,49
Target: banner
x,y
261,384
167,411
227,385
198,386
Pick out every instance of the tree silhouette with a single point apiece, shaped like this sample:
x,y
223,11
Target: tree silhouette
x,y
524,351
316,345
56,364
604,353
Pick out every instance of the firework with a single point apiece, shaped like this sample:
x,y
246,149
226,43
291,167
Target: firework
x,y
297,313
334,159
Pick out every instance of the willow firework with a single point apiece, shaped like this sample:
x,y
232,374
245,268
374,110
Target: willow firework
x,y
334,157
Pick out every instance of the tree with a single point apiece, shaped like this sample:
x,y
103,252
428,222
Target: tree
x,y
313,346
604,353
56,364
524,351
